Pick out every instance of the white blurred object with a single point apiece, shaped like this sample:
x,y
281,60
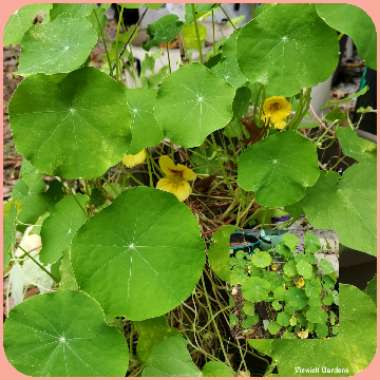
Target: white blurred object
x,y
176,9
25,272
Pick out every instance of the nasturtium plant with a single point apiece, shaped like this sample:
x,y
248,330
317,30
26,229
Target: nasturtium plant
x,y
143,244
281,160
350,351
179,191
287,47
285,296
63,334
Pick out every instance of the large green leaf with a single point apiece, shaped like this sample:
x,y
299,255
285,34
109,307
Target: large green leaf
x,y
59,46
151,331
135,257
355,22
144,127
219,252
346,205
73,126
287,47
63,334
278,169
354,146
59,229
192,103
352,349
21,20
170,357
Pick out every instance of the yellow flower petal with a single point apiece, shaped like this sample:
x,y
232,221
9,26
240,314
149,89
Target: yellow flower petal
x,y
276,109
188,174
170,169
300,282
132,160
166,165
180,188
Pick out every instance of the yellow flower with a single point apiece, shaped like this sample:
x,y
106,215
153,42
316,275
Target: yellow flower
x,y
132,160
300,282
177,178
276,109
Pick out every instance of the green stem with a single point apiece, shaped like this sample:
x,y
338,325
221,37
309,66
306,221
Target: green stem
x,y
197,33
38,264
117,43
213,31
214,323
149,164
167,52
132,35
104,43
227,17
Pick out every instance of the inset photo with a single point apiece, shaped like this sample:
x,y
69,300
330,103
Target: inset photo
x,y
284,284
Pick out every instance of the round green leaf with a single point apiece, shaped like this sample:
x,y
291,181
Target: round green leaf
x,y
63,334
170,357
290,269
134,256
295,298
59,46
283,319
356,23
255,289
21,20
278,169
261,259
353,348
192,103
73,126
316,314
304,268
287,47
273,328
217,369
145,130
346,205
59,229
219,252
